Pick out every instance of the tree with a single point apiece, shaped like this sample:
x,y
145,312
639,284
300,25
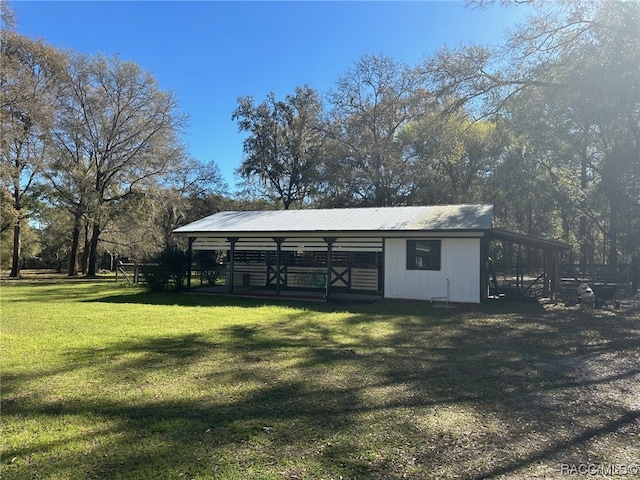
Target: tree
x,y
370,106
524,194
8,214
453,156
7,17
54,230
30,242
29,83
190,190
70,178
569,80
588,126
117,129
284,144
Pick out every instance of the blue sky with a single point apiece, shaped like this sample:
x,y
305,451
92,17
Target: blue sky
x,y
210,53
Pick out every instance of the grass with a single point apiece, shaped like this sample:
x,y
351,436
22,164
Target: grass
x,y
104,380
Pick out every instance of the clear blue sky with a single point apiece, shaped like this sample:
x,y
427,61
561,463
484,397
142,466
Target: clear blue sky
x,y
210,53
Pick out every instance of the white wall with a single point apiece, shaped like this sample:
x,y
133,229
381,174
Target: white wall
x,y
460,264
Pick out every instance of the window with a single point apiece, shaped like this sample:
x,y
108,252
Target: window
x,y
423,254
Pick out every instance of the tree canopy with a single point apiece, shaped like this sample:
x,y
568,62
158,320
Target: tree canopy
x,y
546,127
284,143
98,139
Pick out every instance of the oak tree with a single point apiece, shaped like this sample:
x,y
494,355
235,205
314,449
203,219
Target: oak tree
x,y
116,133
29,84
283,146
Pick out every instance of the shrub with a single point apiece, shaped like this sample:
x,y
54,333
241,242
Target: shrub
x,y
166,271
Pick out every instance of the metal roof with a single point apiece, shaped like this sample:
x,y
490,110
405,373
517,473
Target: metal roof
x,y
527,240
382,219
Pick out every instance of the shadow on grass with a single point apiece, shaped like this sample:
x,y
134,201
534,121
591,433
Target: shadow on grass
x,y
60,291
464,393
149,353
195,299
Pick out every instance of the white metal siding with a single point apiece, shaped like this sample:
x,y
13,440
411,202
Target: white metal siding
x,y
309,244
460,264
210,244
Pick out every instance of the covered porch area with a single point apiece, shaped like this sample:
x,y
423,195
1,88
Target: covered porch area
x,y
303,266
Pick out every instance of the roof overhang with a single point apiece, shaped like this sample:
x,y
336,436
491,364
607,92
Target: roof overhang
x,y
527,240
365,221
341,234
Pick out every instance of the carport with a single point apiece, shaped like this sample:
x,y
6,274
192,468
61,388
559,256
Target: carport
x,y
546,280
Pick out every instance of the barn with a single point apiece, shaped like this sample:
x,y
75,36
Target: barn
x,y
407,252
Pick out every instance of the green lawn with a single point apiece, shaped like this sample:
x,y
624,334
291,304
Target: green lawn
x,y
104,380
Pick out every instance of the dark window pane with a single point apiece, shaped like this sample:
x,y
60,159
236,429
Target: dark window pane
x,y
423,254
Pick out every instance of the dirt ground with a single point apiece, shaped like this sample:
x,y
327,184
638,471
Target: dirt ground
x,y
597,413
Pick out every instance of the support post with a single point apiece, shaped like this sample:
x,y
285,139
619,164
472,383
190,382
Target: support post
x,y
329,241
278,241
555,287
519,270
381,266
548,267
232,253
189,260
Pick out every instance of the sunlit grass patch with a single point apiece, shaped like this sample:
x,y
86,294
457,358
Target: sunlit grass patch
x,y
106,380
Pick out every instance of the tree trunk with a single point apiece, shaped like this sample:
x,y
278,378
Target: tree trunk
x,y
17,249
93,250
582,232
582,235
613,231
84,260
75,244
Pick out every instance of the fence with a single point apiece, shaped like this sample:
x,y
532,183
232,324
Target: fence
x,y
527,279
132,272
619,274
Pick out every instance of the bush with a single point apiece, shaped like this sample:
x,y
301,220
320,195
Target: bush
x,y
166,271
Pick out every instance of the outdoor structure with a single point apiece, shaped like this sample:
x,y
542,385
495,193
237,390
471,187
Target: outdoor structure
x,y
437,253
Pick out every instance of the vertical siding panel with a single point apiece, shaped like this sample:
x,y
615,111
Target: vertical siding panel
x,y
464,269
460,264
392,281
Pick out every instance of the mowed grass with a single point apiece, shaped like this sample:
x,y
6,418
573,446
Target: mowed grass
x,y
105,380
